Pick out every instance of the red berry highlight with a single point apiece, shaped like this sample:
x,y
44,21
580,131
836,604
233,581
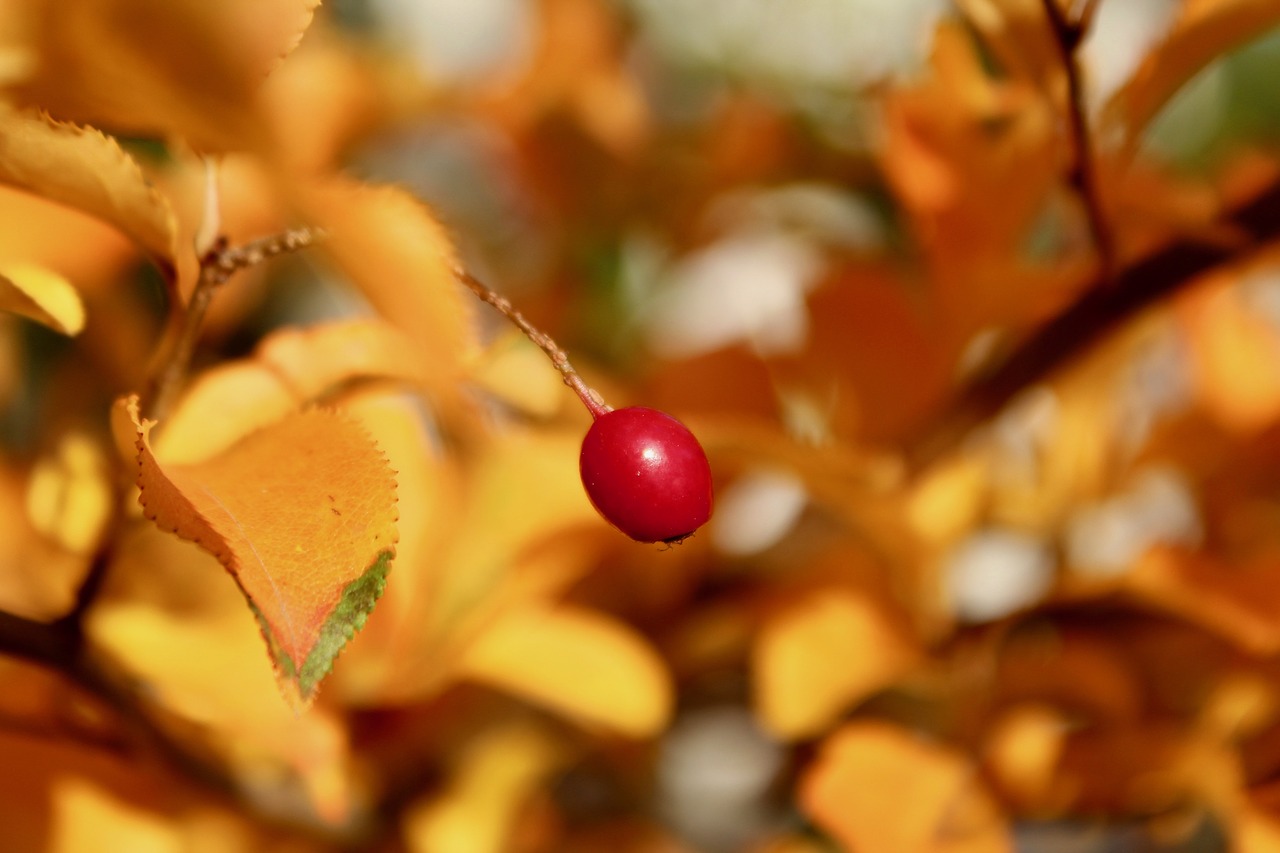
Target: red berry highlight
x,y
646,474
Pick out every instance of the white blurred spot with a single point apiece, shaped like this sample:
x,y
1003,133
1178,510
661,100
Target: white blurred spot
x,y
1104,539
1122,34
756,511
996,572
459,41
1260,292
1155,385
714,773
828,214
820,43
747,287
1021,432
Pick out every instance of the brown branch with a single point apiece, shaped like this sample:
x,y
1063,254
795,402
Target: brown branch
x,y
1097,312
1082,175
59,647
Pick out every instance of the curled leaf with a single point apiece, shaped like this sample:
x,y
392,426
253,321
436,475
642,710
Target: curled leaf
x,y
578,662
303,515
179,67
42,295
85,169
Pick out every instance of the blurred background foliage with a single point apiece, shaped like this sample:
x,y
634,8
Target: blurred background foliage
x,y
974,305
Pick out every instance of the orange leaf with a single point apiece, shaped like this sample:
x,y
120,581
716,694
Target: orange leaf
x,y
1239,601
878,787
42,295
825,651
579,662
85,169
290,368
302,513
479,809
394,250
180,67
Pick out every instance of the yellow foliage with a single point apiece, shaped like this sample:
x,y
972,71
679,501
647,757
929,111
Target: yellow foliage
x,y
984,361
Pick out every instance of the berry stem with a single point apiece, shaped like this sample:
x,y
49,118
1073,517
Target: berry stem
x,y
559,359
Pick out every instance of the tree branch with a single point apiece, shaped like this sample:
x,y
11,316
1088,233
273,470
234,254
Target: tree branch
x,y
1082,175
60,646
1100,310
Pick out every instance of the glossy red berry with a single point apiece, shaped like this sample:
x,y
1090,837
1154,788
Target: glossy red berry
x,y
646,474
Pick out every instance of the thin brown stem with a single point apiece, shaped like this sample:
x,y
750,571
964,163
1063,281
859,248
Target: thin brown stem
x,y
1099,310
59,647
559,359
216,268
1083,175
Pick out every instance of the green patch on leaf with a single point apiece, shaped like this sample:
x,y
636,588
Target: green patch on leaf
x,y
358,598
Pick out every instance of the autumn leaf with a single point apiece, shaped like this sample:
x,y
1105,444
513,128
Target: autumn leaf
x,y
302,513
41,295
290,368
479,808
174,67
392,247
577,662
821,653
878,787
83,168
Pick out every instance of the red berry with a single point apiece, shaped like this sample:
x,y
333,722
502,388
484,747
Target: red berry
x,y
646,474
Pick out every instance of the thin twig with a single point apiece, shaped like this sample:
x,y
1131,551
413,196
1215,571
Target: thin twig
x,y
216,268
1083,175
559,359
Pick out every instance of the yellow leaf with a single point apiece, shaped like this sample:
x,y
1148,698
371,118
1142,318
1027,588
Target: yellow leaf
x,y
50,591
478,810
86,817
520,492
395,251
302,513
314,361
290,368
69,498
822,653
517,373
577,662
161,67
200,664
85,169
42,295
878,787
225,404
